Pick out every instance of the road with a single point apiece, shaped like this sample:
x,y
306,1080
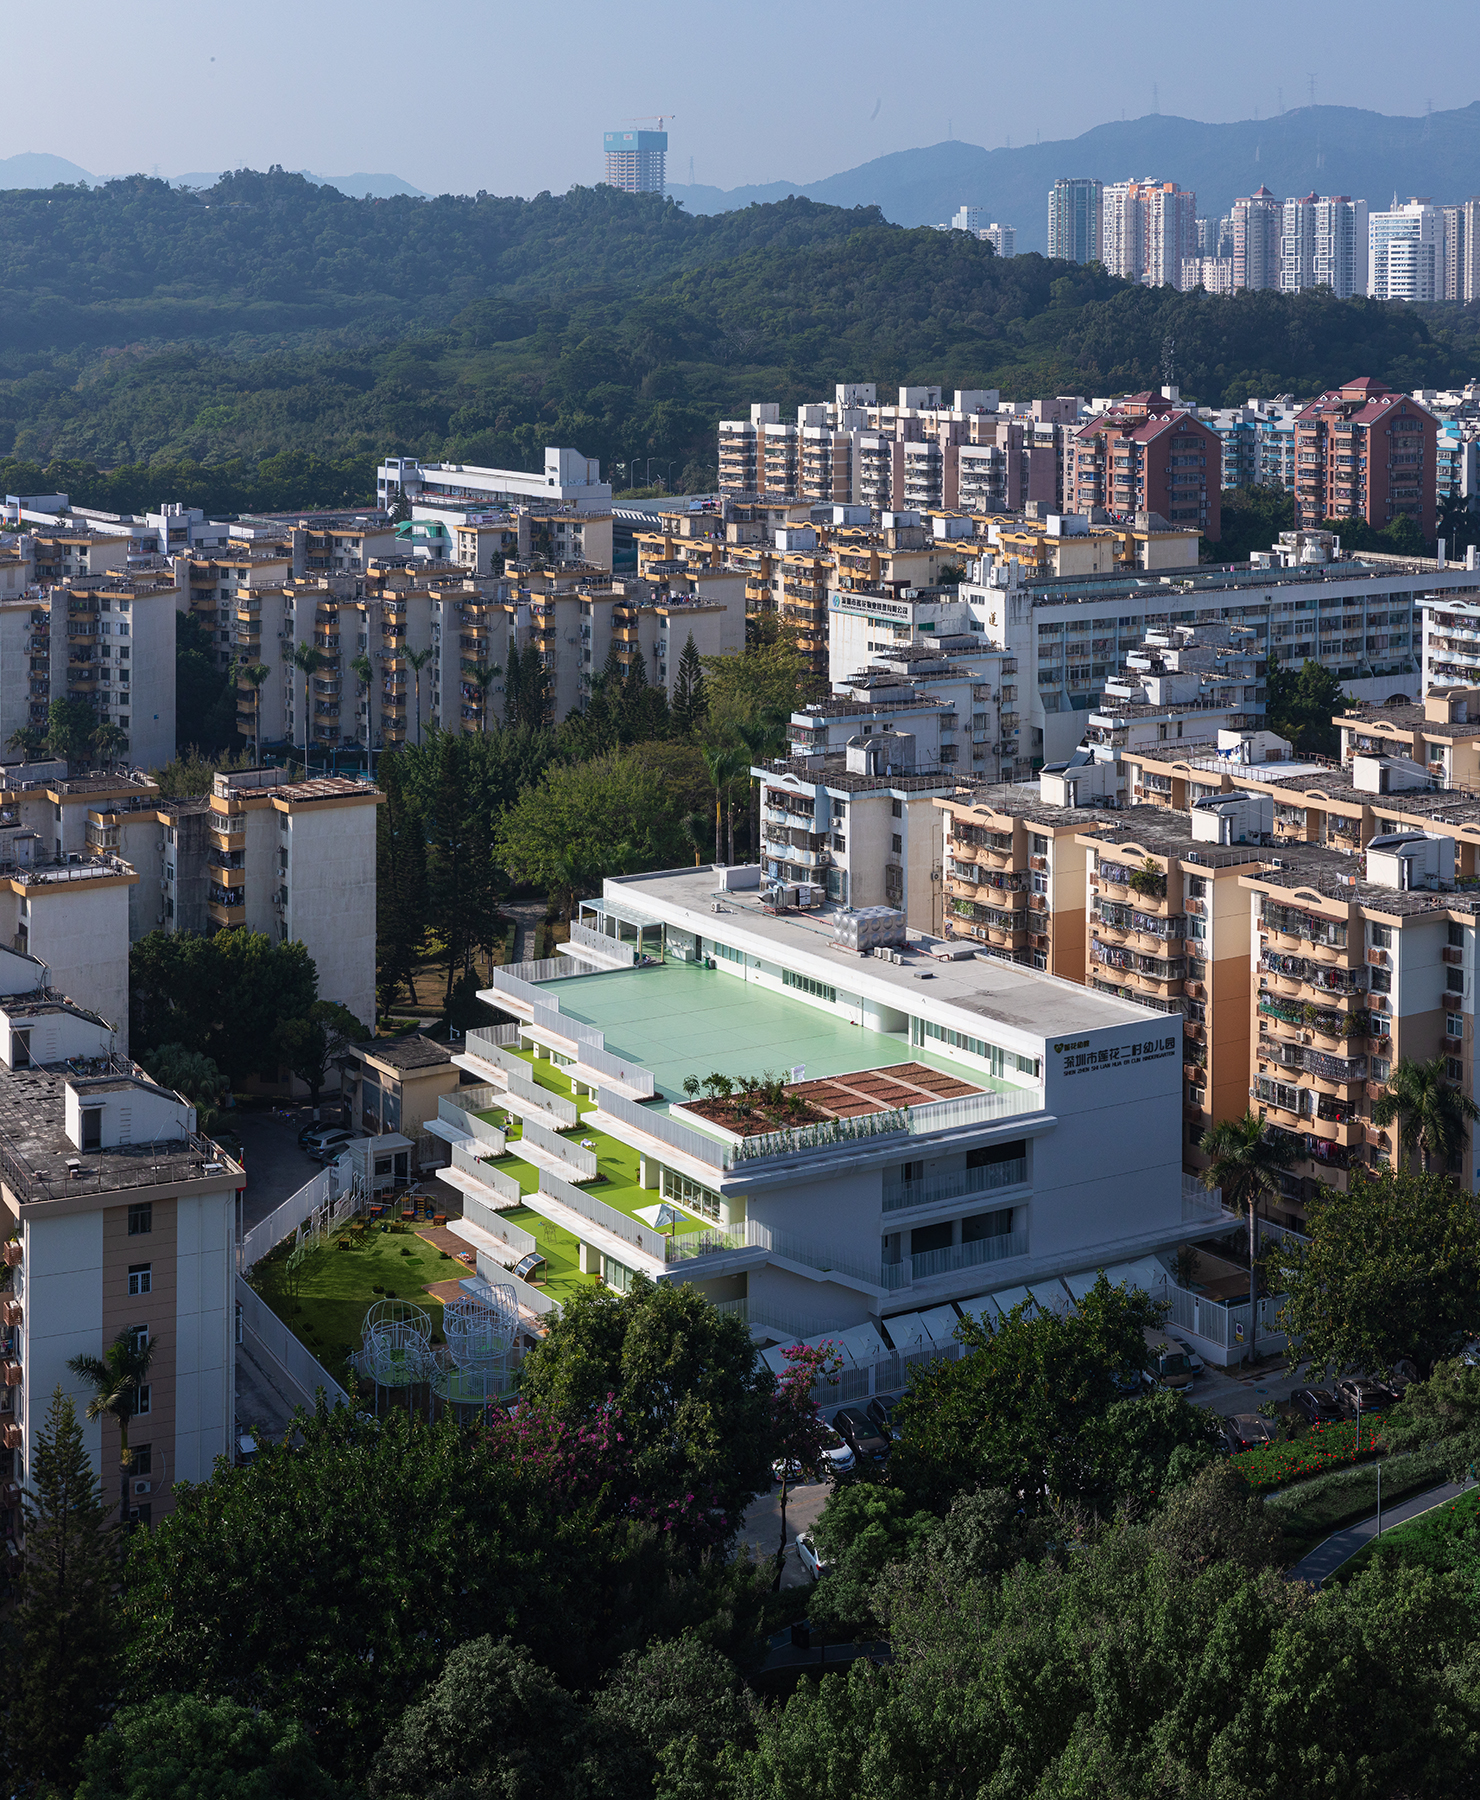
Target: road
x,y
276,1167
762,1527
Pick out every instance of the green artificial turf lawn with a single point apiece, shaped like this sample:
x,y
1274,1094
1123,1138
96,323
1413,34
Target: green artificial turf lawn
x,y
333,1289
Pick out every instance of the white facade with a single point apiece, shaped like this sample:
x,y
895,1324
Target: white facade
x,y
1407,253
1068,1159
567,477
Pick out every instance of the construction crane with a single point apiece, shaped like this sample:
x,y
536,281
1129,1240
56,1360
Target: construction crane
x,y
647,119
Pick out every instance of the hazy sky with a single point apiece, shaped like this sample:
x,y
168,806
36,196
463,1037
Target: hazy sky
x,y
470,94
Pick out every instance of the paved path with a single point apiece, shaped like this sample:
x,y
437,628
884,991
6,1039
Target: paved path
x,y
762,1527
1342,1546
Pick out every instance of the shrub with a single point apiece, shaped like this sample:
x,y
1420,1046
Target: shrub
x,y
1323,1447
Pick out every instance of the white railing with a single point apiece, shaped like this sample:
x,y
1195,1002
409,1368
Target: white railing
x,y
753,1235
775,1318
548,968
1200,1204
265,1333
503,1035
512,983
294,1211
962,1185
468,1121
548,1019
1001,1248
535,1299
658,1125
600,942
631,1075
468,1162
892,1122
522,1087
973,1109
581,1160
519,1241
1220,1324
481,1044
632,1231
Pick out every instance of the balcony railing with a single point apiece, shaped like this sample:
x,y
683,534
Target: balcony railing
x,y
901,1196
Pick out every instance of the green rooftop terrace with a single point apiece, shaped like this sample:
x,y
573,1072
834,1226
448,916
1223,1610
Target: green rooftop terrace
x,y
680,1019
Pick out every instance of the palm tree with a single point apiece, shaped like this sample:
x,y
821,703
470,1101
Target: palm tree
x,y
418,660
117,1377
1244,1160
481,675
763,737
108,740
30,740
1431,1114
254,674
725,765
692,827
364,673
310,661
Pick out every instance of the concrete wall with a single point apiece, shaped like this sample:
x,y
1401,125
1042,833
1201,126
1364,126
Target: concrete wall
x,y
331,899
205,1335
1113,1168
80,930
62,1317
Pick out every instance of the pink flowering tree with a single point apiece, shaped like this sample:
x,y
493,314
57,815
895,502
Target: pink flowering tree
x,y
797,1424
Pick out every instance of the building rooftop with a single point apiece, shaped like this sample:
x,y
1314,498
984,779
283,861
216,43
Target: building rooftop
x,y
1161,832
414,1051
1311,868
1023,802
1037,1004
832,771
1406,718
38,1161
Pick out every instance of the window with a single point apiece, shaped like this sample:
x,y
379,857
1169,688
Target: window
x,y
1454,1069
896,808
141,1401
1457,936
1381,1068
140,1335
142,1460
1382,937
1037,846
689,1193
140,1278
896,844
1454,1025
1454,980
806,985
1381,981
724,950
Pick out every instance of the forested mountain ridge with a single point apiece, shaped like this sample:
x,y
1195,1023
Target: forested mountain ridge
x,y
269,318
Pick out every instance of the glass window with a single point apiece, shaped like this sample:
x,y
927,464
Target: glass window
x,y
140,1278
141,1218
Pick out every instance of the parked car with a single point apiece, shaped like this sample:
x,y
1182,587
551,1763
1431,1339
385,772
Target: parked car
x,y
1356,1393
883,1413
326,1143
838,1456
1166,1363
329,1119
1401,1377
862,1433
794,1471
1318,1405
1248,1431
810,1557
1199,1367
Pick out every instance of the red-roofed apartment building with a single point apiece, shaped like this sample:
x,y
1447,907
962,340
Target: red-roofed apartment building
x,y
1147,454
1365,452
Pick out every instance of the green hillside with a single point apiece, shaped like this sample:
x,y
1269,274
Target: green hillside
x,y
267,318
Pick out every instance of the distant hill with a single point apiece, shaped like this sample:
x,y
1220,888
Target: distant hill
x,y
377,187
33,169
1332,149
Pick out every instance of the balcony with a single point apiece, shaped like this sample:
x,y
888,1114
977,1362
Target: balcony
x,y
221,914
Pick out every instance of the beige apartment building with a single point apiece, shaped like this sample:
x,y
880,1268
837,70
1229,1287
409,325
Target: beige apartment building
x,y
122,1218
1016,876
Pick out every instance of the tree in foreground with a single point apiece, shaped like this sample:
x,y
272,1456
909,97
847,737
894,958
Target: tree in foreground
x,y
1391,1269
695,1406
1445,1410
192,1074
117,1379
62,1677
494,1723
180,1747
1431,1112
1025,1412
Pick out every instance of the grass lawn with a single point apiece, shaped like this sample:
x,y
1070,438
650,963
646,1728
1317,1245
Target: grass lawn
x,y
1445,1539
1308,1511
324,1302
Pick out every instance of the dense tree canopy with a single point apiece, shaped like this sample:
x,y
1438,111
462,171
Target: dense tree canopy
x,y
281,336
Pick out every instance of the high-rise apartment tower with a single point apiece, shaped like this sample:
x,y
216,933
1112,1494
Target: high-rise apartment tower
x,y
1074,220
636,161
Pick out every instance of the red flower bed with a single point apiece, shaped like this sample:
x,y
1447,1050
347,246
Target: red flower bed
x,y
1322,1448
